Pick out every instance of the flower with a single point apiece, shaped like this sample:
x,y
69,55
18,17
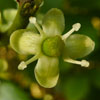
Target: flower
x,y
49,45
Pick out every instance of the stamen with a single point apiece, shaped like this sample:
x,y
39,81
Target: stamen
x,y
75,27
33,20
32,59
83,63
23,64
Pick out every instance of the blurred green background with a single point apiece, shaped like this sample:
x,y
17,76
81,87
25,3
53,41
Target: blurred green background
x,y
75,82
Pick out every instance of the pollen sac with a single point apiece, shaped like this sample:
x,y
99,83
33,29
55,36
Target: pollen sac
x,y
53,46
78,46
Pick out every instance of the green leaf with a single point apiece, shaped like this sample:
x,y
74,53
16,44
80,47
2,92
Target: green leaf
x,y
9,91
53,22
6,4
76,88
47,71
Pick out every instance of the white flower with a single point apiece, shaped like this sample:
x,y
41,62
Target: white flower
x,y
49,45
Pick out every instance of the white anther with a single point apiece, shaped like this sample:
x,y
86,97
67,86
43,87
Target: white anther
x,y
76,26
85,63
32,20
22,65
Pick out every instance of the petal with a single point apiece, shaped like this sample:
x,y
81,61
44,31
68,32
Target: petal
x,y
53,22
47,71
78,46
25,41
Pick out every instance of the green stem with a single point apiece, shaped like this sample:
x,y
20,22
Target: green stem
x,y
19,22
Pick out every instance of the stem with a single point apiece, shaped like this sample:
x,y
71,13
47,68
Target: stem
x,y
19,22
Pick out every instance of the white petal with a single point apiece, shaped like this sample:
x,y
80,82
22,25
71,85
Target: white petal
x,y
47,71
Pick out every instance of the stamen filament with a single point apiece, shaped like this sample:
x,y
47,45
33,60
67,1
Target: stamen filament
x,y
75,27
32,59
33,20
83,63
24,64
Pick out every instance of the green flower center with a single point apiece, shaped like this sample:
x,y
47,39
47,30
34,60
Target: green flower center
x,y
53,46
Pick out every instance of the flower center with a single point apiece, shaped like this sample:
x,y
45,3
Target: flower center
x,y
53,46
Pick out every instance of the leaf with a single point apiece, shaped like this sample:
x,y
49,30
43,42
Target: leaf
x,y
5,4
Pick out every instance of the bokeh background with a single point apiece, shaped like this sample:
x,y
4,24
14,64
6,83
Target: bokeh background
x,y
75,82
